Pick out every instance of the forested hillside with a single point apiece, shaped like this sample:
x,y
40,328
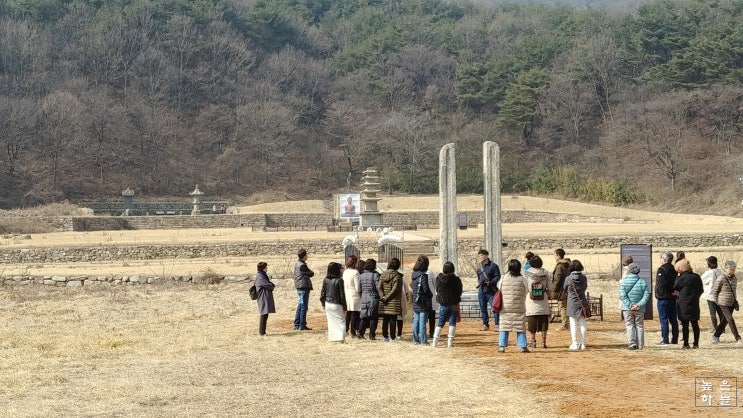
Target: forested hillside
x,y
297,97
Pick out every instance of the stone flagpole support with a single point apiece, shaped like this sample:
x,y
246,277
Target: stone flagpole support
x,y
491,177
448,208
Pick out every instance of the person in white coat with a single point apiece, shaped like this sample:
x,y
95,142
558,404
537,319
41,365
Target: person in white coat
x,y
708,281
353,298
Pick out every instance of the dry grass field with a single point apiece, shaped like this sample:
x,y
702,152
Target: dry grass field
x,y
193,350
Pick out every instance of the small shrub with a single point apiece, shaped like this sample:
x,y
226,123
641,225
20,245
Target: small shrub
x,y
209,276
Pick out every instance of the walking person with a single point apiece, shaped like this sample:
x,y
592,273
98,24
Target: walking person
x,y
664,282
351,287
537,301
634,294
266,305
369,299
488,274
559,294
333,299
303,284
726,300
688,288
575,288
448,294
708,281
390,298
421,300
513,289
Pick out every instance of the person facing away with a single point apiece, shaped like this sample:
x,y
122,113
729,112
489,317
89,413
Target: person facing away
x,y
303,284
665,279
421,299
369,299
488,274
537,301
689,288
266,305
333,299
559,274
708,281
575,288
634,294
513,289
448,295
724,295
390,298
527,257
351,286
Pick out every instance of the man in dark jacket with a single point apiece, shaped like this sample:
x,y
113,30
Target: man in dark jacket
x,y
303,284
664,281
488,274
559,294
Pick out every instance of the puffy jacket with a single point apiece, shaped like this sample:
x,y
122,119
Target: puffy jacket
x,y
537,306
513,289
690,288
420,287
664,281
558,279
633,291
723,292
575,288
368,282
390,292
448,289
333,292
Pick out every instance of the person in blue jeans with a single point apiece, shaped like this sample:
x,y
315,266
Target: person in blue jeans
x,y
488,275
421,300
448,295
664,282
303,284
513,288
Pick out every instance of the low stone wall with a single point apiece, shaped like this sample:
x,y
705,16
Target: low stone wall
x,y
250,220
79,281
104,253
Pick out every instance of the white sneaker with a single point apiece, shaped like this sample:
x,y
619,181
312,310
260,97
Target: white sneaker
x,y
714,339
582,346
573,347
739,342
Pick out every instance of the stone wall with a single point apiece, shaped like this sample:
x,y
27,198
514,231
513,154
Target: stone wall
x,y
107,253
79,281
296,221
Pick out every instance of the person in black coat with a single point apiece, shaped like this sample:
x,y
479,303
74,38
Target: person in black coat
x,y
265,296
689,288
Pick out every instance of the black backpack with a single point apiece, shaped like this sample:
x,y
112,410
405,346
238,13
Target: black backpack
x,y
253,292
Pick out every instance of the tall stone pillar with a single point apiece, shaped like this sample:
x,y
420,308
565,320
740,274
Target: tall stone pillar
x,y
491,177
448,207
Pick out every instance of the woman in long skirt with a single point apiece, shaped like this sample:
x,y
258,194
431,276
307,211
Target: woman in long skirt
x,y
333,299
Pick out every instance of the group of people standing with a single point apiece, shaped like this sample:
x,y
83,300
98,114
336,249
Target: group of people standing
x,y
678,291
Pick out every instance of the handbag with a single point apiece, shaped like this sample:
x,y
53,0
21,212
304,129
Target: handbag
x,y
497,301
419,296
735,297
585,310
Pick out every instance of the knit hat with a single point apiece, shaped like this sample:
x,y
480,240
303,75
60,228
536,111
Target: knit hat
x,y
682,266
633,268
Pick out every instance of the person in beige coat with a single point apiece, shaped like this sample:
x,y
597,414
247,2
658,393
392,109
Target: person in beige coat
x,y
723,293
351,289
513,289
537,300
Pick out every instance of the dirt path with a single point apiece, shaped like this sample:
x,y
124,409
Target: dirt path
x,y
606,379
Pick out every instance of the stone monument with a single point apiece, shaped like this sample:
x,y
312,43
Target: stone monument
x,y
741,187
448,205
491,176
196,193
128,196
369,216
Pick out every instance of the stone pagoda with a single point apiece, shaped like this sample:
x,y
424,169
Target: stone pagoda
x,y
370,215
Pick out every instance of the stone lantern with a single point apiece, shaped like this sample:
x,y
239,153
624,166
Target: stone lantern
x,y
196,193
128,196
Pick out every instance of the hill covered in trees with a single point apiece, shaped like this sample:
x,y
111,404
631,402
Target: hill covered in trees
x,y
299,96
